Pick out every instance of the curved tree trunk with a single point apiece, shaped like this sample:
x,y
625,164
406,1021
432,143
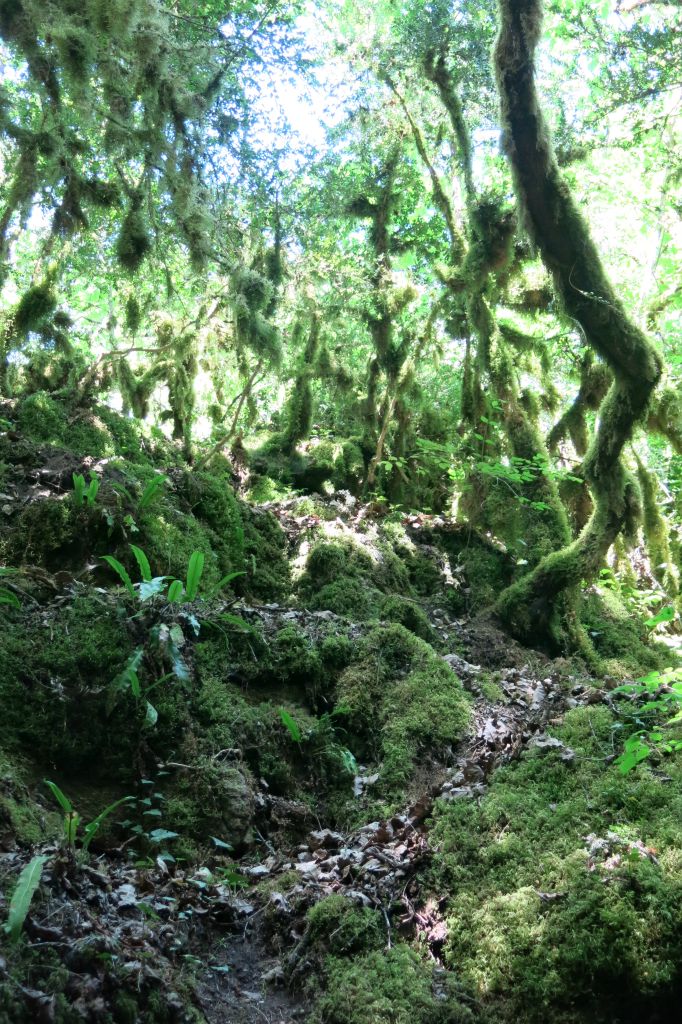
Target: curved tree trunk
x,y
533,606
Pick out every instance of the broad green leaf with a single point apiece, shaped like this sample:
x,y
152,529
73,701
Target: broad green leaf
x,y
151,490
61,797
143,562
194,572
134,680
291,725
665,615
225,580
122,573
152,715
150,588
159,834
220,844
175,592
7,597
28,882
235,620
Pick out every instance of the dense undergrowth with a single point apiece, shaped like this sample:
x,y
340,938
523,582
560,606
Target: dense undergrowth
x,y
236,718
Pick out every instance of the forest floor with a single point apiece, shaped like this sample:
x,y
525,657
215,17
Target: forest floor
x,y
475,856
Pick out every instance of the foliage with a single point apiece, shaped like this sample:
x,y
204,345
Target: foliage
x,y
27,883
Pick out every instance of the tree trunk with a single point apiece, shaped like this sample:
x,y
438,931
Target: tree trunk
x,y
536,607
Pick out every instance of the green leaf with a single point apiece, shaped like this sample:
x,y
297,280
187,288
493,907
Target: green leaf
x,y
291,725
151,490
134,681
94,826
143,562
61,798
150,588
7,597
159,834
175,592
194,572
220,844
225,580
28,882
122,573
665,615
152,716
91,493
235,620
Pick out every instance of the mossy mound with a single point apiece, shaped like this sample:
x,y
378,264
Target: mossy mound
x,y
99,433
347,579
57,664
393,986
620,638
563,880
399,701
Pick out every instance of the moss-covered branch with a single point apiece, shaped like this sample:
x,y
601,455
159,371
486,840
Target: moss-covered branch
x,y
531,607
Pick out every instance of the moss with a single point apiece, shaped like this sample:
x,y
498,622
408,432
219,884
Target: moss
x,y
399,700
22,820
294,657
336,651
337,572
269,573
408,614
619,635
604,942
348,597
338,927
394,986
212,798
56,666
45,528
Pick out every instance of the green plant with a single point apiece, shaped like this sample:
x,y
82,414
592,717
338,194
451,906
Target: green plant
x,y
72,819
28,882
151,492
129,679
85,494
7,596
150,586
666,703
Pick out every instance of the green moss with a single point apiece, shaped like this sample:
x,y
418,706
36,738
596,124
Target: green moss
x,y
56,666
211,798
338,927
346,579
21,818
604,943
294,658
408,614
394,986
336,651
619,635
398,700
269,573
348,597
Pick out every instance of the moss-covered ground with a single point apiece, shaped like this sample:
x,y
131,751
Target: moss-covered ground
x,y
324,671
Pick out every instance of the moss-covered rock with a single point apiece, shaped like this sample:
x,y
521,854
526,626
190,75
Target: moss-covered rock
x,y
400,701
211,799
406,613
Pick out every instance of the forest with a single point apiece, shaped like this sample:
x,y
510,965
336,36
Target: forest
x,y
340,511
